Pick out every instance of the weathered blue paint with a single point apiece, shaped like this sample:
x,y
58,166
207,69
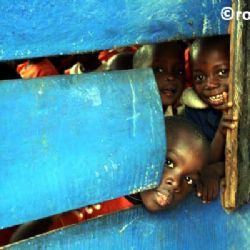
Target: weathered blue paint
x,y
70,141
33,28
190,226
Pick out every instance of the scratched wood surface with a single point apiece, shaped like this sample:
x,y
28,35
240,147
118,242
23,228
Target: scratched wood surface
x,y
242,101
71,141
190,226
33,28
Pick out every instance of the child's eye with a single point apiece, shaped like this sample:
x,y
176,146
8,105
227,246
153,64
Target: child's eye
x,y
189,180
169,163
199,77
179,72
223,72
158,70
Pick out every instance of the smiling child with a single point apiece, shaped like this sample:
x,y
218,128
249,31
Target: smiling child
x,y
210,72
167,61
186,156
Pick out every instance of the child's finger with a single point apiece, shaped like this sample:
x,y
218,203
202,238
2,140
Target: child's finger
x,y
199,189
229,125
225,96
205,194
209,193
215,191
229,117
223,106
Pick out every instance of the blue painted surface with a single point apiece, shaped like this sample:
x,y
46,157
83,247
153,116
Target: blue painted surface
x,y
32,28
70,141
190,226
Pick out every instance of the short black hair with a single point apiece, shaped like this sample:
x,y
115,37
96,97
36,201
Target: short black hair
x,y
144,56
175,124
208,42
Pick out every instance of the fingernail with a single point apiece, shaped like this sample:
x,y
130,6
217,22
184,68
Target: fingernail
x,y
199,194
204,202
230,104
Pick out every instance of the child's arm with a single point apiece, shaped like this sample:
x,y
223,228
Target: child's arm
x,y
217,148
208,189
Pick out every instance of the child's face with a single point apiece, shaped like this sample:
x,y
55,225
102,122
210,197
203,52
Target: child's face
x,y
210,74
185,159
169,66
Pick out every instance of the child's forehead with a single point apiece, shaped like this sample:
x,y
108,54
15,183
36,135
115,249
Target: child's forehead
x,y
169,48
202,50
184,142
187,158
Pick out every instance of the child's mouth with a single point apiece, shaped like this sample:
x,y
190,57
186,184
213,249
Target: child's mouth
x,y
168,92
163,199
217,99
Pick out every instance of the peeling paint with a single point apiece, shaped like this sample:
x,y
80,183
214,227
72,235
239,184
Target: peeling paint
x,y
126,225
93,95
140,189
133,106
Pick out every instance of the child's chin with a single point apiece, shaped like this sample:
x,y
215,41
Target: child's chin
x,y
154,208
168,101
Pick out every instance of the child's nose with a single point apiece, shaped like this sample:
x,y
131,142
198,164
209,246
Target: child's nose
x,y
211,83
172,183
168,75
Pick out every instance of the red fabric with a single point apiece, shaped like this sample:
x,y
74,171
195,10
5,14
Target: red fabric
x,y
5,235
105,55
188,69
32,70
79,215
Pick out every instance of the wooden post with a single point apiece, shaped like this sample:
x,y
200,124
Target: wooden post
x,y
237,168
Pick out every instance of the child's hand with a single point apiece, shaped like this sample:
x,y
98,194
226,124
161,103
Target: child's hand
x,y
228,121
209,186
208,189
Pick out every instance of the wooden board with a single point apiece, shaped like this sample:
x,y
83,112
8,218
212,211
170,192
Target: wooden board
x,y
242,103
238,148
192,225
33,28
70,141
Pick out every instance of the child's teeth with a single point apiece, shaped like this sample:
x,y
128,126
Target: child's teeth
x,y
216,98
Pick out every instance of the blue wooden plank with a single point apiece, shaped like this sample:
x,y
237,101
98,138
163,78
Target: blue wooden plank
x,y
34,28
69,141
190,226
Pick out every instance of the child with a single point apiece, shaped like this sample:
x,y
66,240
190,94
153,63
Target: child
x,y
167,61
186,156
210,72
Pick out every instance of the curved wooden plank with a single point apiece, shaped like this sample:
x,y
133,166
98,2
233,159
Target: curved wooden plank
x,y
33,28
70,141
